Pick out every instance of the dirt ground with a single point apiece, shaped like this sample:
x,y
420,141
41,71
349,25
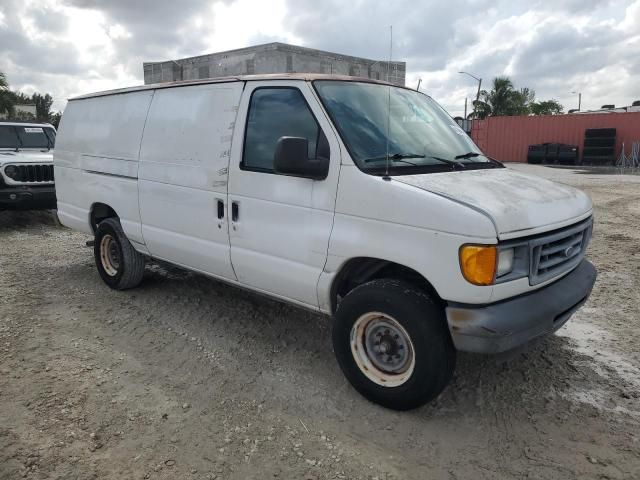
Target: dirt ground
x,y
187,378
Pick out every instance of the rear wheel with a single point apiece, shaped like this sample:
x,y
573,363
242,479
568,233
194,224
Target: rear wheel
x,y
119,264
392,343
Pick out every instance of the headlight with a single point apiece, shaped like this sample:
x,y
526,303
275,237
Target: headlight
x,y
11,171
479,263
505,262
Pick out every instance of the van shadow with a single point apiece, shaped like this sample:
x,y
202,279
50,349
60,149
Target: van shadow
x,y
24,219
298,343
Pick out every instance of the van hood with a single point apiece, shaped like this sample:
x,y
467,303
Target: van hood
x,y
26,156
515,202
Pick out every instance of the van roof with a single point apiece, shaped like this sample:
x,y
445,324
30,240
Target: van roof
x,y
238,78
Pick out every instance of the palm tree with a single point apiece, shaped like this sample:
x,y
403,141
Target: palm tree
x,y
504,99
501,95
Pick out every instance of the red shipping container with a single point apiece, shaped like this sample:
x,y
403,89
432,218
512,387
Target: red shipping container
x,y
508,138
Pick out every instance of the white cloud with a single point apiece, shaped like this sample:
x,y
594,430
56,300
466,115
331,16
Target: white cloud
x,y
237,24
68,47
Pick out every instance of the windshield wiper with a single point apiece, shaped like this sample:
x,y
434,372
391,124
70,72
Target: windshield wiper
x,y
398,157
450,162
467,155
395,156
492,161
497,163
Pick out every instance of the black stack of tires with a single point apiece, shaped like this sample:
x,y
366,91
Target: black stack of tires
x,y
553,153
567,154
536,153
599,146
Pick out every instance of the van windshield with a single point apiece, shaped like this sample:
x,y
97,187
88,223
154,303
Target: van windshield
x,y
413,129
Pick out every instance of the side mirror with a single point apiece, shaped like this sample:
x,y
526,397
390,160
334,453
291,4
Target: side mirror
x,y
292,158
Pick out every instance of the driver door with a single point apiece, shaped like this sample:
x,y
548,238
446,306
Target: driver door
x,y
280,224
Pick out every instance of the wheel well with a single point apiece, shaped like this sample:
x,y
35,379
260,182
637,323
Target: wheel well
x,y
364,269
99,212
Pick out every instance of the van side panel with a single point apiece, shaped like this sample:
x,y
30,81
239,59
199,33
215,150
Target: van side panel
x,y
183,175
96,159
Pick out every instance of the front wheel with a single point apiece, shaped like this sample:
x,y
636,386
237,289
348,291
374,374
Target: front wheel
x,y
392,343
119,264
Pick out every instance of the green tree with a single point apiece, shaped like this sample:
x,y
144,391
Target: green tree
x,y
9,99
6,98
498,100
20,98
546,107
505,99
43,106
54,119
521,101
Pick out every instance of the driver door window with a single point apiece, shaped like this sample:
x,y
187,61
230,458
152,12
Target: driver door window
x,y
274,113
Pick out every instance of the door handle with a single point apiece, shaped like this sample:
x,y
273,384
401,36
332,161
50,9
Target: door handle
x,y
220,209
234,211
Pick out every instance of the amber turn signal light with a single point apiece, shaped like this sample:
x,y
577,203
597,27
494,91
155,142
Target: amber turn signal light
x,y
478,263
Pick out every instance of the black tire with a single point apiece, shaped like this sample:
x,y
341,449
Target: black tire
x,y
128,271
424,322
599,151
599,132
600,142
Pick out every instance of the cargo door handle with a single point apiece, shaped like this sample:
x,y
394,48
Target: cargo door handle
x,y
234,211
220,209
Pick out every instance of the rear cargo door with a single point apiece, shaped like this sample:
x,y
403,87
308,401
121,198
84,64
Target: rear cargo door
x,y
183,175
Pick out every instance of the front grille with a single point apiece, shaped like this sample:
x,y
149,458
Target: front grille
x,y
558,252
31,173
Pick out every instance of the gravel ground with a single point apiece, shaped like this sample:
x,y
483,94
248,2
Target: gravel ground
x,y
187,378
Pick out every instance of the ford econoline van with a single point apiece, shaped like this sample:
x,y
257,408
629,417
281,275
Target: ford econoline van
x,y
351,197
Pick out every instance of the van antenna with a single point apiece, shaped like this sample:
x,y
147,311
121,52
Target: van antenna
x,y
386,173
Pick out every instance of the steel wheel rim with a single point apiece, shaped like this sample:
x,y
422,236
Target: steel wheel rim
x,y
382,349
109,255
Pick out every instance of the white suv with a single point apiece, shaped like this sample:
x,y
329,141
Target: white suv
x,y
351,197
26,166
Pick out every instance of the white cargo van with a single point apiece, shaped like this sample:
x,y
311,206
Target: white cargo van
x,y
351,197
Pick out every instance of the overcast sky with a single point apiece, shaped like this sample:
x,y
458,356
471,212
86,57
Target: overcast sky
x,y
69,47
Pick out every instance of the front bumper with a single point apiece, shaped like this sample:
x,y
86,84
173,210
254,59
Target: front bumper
x,y
505,325
28,198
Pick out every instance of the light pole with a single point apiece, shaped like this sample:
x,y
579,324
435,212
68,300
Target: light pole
x,y
479,80
579,99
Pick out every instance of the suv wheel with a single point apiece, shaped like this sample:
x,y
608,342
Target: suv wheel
x,y
393,344
119,264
